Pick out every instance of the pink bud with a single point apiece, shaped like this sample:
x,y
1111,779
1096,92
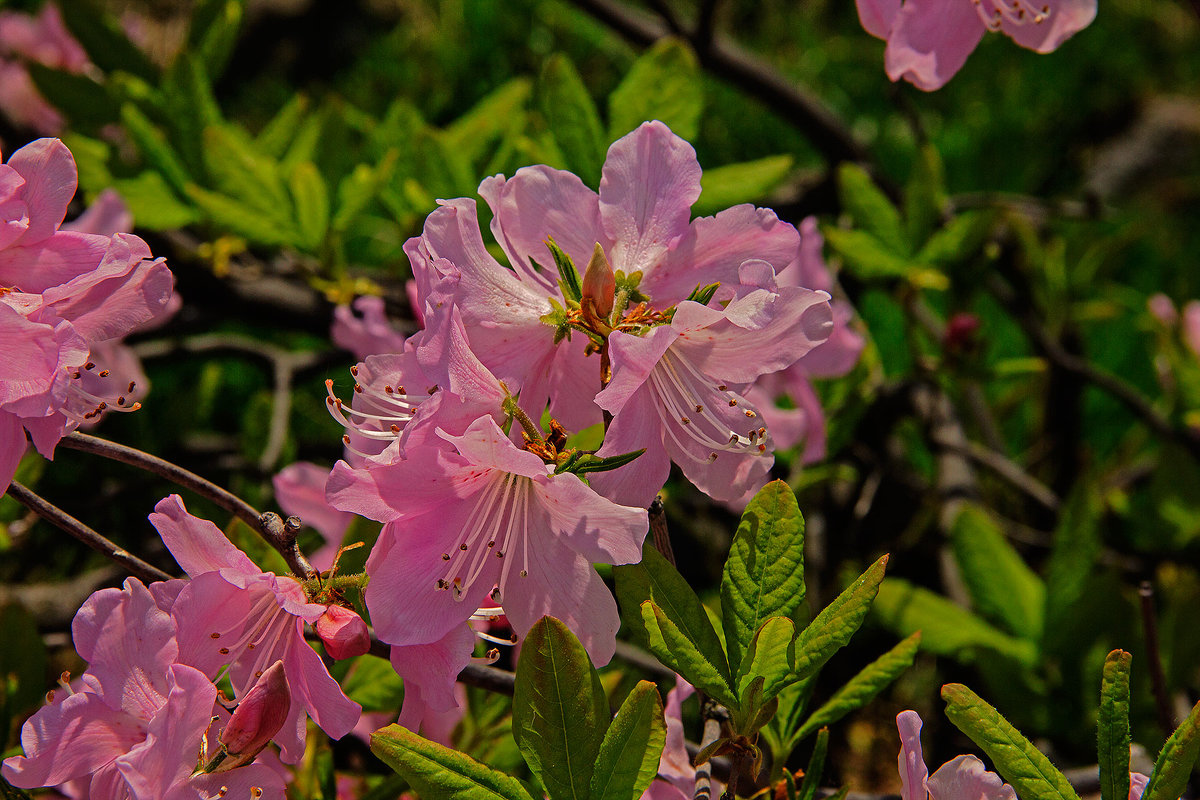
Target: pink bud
x,y
1163,309
961,330
599,284
1191,326
343,632
258,717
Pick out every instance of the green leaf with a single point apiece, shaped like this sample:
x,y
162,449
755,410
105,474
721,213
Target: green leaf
x,y
654,578
1077,545
22,664
568,273
240,171
863,687
946,628
587,462
958,240
1015,758
628,759
816,765
91,161
154,148
873,212
236,217
764,573
438,773
1001,585
677,650
722,187
358,188
769,656
834,626
1175,760
1112,727
311,196
153,205
560,713
572,117
664,84
487,121
869,259
82,100
276,135
106,44
373,684
214,31
924,195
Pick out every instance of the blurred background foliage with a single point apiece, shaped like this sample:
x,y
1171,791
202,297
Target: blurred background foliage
x,y
999,239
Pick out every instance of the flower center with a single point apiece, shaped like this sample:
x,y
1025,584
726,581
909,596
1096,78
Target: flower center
x,y
995,13
381,413
497,525
91,392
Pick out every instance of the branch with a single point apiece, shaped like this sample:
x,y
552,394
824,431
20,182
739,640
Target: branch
x,y
269,525
56,516
1158,680
827,133
1004,468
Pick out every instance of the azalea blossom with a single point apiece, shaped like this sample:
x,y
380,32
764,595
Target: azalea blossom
x,y
138,720
478,519
928,41
63,293
367,332
232,614
961,778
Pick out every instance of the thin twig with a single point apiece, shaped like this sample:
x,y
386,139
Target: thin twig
x,y
1158,680
1006,469
56,516
714,716
269,525
702,36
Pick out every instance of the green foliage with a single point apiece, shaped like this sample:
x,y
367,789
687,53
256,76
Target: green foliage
x,y
1176,760
629,754
663,84
573,118
1112,727
439,773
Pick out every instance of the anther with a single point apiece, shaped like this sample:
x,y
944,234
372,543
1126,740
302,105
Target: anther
x,y
357,389
445,556
685,420
354,370
389,390
463,547
89,365
722,387
492,543
224,651
499,554
214,635
103,373
749,414
699,409
524,573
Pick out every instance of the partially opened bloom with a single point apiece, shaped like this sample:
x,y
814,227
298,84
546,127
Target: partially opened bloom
x,y
961,778
63,294
136,725
232,613
928,41
477,519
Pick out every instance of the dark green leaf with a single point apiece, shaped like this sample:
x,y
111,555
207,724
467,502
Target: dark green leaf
x,y
83,101
1175,760
1112,727
958,240
106,44
155,149
1002,586
153,205
241,172
1015,758
568,274
311,197
591,463
816,765
869,259
560,713
764,573
439,773
924,195
573,119
663,84
678,651
834,626
373,684
746,182
214,35
863,687
487,121
873,212
628,758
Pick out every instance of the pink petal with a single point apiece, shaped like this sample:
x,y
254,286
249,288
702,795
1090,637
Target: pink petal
x,y
650,180
1190,326
838,354
53,261
445,355
12,447
1065,19
930,41
965,778
368,333
385,492
50,179
633,359
107,214
597,528
483,444
317,691
538,203
636,483
913,773
675,764
34,362
208,605
197,544
563,584
252,780
430,673
876,16
1137,785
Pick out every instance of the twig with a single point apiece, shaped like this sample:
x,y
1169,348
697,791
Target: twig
x,y
713,715
1005,468
269,525
702,37
56,516
825,131
1158,681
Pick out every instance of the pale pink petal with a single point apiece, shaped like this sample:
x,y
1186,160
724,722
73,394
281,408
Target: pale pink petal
x,y
1190,326
838,354
965,778
633,359
107,215
317,691
637,483
538,203
567,381
595,527
714,248
23,104
34,362
650,180
483,444
253,780
70,739
930,41
876,16
385,492
445,355
368,333
209,605
1163,309
1065,19
1137,785
50,179
52,262
197,544
913,772
430,673
12,447
563,584
300,491
675,764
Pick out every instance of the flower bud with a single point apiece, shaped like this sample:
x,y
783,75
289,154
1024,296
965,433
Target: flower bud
x,y
343,632
599,284
258,717
1163,309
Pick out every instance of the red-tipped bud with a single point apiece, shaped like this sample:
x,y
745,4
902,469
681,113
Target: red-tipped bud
x,y
599,284
258,717
343,632
961,331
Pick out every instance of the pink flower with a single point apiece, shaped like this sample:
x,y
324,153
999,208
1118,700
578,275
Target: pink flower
x,y
62,293
134,728
641,219
232,613
343,633
928,41
369,333
1190,325
44,40
478,518
961,778
676,778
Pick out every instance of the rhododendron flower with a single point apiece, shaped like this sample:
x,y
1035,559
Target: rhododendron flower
x,y
61,293
369,333
640,219
232,613
961,778
42,39
136,725
928,41
478,518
